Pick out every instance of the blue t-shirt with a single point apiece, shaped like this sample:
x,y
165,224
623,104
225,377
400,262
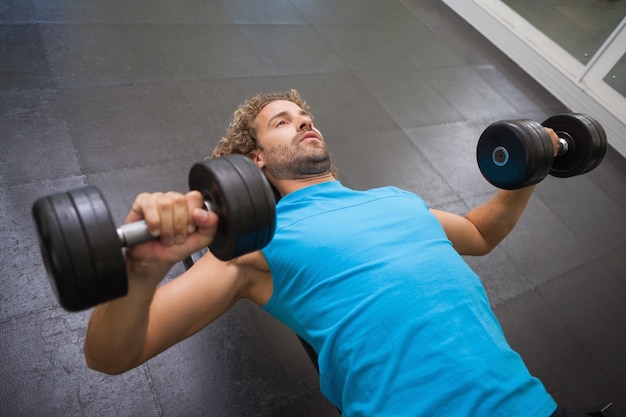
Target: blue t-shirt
x,y
401,324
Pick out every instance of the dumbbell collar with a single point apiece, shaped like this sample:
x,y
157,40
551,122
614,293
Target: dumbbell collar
x,y
564,140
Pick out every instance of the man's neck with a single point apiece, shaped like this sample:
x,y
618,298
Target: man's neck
x,y
289,186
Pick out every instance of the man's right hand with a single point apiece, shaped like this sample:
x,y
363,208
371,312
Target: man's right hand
x,y
183,227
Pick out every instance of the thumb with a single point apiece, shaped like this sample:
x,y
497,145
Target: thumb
x,y
206,223
204,229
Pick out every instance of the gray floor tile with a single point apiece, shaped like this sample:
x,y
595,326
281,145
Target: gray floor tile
x,y
64,11
114,54
183,11
409,98
24,283
17,12
205,52
520,91
470,44
329,12
609,176
121,127
387,13
470,95
615,262
433,13
293,49
398,163
555,355
140,11
422,47
267,12
591,215
561,250
451,150
502,279
590,303
363,48
270,376
36,144
86,55
23,63
43,372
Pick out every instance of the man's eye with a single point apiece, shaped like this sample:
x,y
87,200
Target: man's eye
x,y
280,123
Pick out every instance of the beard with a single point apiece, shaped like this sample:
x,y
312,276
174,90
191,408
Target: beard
x,y
297,161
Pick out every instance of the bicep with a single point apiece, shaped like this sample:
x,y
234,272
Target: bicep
x,y
187,304
465,237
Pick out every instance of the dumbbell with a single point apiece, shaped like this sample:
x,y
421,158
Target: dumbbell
x,y
512,154
82,249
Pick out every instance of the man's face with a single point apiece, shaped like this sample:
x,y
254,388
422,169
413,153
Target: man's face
x,y
289,147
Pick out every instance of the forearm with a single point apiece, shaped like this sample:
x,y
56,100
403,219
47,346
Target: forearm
x,y
125,332
495,219
117,330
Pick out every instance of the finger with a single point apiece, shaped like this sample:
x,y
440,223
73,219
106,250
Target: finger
x,y
206,222
555,140
206,227
145,208
180,216
165,207
195,200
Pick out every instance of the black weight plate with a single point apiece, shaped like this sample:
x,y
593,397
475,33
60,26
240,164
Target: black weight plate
x,y
580,145
540,151
78,255
103,243
220,184
600,142
78,251
587,144
225,187
54,254
262,198
240,211
244,212
512,154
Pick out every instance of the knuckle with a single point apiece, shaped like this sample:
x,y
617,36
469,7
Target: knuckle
x,y
163,201
143,199
180,199
195,196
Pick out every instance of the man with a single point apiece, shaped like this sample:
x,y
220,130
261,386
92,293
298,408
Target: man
x,y
373,280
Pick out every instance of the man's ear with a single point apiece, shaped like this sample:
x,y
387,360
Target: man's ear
x,y
257,158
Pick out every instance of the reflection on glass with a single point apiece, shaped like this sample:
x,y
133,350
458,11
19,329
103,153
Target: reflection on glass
x,y
578,26
616,78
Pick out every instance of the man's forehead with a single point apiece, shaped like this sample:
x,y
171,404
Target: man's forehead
x,y
279,106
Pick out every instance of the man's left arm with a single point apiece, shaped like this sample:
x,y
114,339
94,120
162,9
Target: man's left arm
x,y
484,227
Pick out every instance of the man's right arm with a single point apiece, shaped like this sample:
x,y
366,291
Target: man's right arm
x,y
126,332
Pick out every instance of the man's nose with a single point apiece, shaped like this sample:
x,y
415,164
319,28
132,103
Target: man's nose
x,y
305,123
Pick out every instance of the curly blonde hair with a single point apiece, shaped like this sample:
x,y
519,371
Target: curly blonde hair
x,y
240,135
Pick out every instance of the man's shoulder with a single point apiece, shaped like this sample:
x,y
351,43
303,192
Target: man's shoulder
x,y
255,277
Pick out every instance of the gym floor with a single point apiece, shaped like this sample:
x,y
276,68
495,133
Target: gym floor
x,y
127,95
